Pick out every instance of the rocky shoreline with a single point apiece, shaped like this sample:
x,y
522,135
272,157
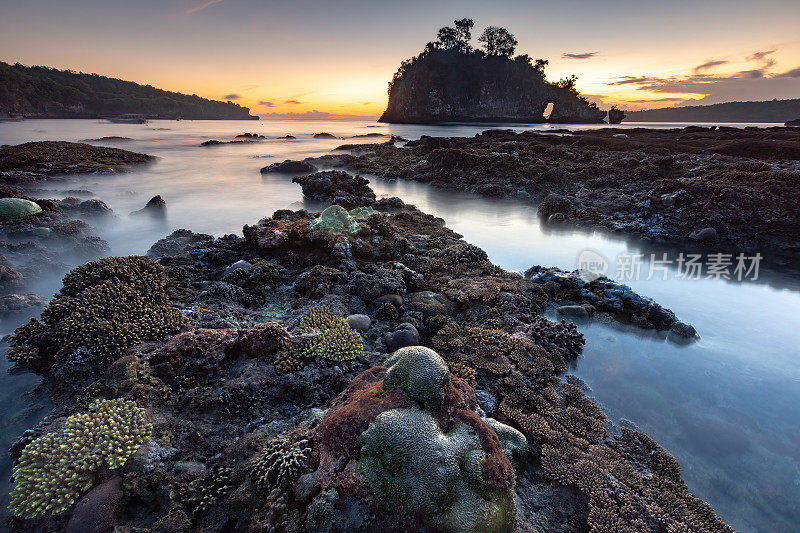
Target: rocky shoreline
x,y
725,187
311,375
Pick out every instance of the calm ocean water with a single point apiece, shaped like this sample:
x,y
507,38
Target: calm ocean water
x,y
726,406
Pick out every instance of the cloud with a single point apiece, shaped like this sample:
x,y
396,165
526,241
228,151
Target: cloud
x,y
794,73
201,7
656,100
366,103
708,65
266,103
759,56
232,96
583,55
292,102
315,115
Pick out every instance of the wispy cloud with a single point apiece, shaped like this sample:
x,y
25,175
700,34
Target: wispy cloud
x,y
201,7
291,102
315,115
582,55
758,56
232,96
266,103
710,64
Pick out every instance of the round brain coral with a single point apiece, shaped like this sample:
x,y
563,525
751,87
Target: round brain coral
x,y
337,340
57,468
420,372
335,220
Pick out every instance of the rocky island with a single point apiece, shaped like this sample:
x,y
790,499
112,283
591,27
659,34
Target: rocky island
x,y
452,82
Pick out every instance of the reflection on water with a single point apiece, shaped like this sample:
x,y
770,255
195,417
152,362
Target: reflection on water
x,y
725,406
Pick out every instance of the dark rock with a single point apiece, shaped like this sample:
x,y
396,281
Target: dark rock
x,y
156,207
290,167
683,329
337,187
254,136
324,136
94,513
404,335
177,242
17,303
704,235
306,487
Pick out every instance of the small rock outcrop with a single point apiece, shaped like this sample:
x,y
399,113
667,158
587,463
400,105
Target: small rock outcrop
x,y
156,207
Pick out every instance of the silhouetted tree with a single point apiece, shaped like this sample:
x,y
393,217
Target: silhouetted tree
x,y
568,83
456,38
464,33
498,41
539,66
447,38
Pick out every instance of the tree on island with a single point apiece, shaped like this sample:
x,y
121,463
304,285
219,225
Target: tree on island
x,y
498,42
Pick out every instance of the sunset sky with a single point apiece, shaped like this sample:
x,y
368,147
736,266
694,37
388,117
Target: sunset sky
x,y
323,58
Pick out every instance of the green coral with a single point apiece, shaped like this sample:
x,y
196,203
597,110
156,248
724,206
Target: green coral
x,y
335,220
18,208
105,306
57,468
420,372
408,462
361,213
336,341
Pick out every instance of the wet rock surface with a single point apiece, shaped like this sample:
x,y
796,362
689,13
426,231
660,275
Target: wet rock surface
x,y
271,411
733,188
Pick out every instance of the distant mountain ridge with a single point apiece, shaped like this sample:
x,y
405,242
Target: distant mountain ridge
x,y
43,92
766,111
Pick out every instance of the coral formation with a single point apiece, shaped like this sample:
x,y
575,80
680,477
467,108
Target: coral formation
x,y
280,463
104,306
335,339
335,220
58,467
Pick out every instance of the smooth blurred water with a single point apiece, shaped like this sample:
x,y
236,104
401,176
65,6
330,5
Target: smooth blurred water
x,y
726,406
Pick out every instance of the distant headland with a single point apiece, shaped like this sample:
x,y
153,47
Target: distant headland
x,y
452,82
779,111
42,92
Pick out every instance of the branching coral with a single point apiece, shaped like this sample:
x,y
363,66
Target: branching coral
x,y
57,468
105,306
280,463
336,340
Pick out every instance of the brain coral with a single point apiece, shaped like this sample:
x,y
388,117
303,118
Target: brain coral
x,y
335,220
437,460
57,468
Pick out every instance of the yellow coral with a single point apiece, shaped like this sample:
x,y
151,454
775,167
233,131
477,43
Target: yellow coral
x,y
57,468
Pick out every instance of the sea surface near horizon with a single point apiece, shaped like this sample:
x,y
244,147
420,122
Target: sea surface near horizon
x,y
726,406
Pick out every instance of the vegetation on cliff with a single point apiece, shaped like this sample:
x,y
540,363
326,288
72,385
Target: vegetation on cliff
x,y
47,92
779,111
452,82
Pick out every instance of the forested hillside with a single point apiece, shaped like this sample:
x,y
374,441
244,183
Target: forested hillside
x,y
52,93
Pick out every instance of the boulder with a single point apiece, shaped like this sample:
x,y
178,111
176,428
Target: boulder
x,y
156,207
575,312
290,167
324,136
704,235
95,512
404,335
359,322
682,329
429,303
